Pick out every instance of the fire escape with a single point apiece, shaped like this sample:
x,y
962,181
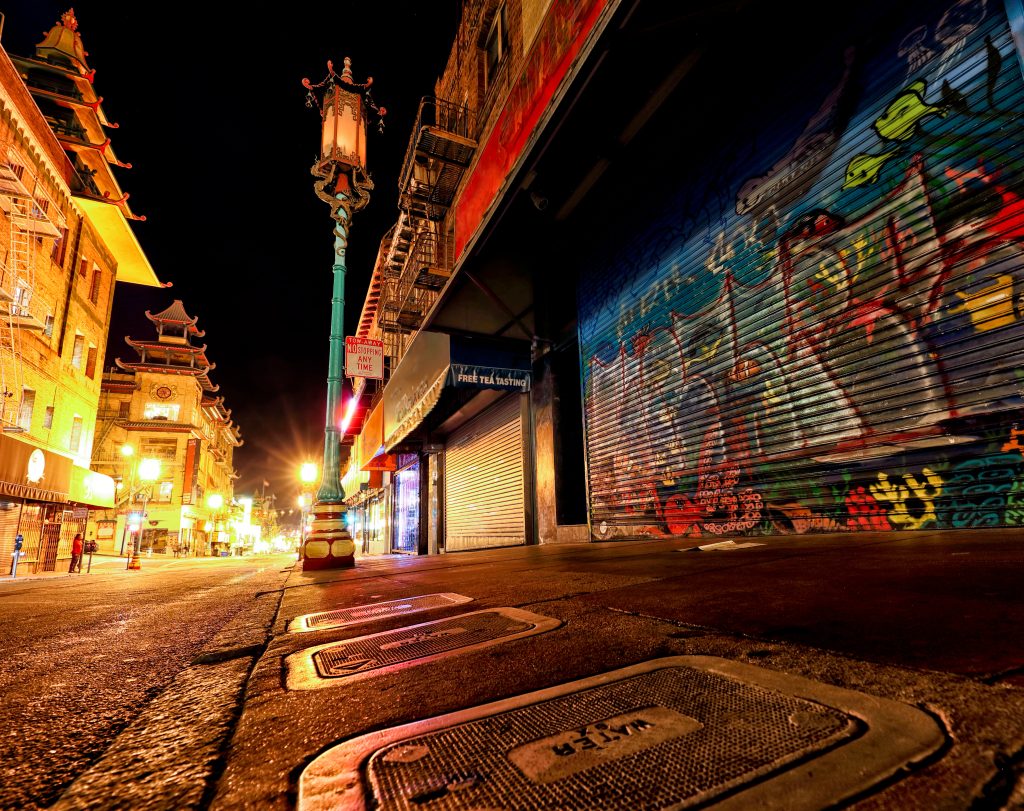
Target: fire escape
x,y
31,216
417,255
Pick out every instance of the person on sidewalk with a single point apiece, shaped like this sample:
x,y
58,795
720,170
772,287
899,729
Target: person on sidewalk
x,y
76,554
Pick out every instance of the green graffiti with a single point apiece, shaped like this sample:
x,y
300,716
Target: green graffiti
x,y
864,168
901,118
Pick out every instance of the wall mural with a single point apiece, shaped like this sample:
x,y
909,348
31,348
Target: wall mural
x,y
835,346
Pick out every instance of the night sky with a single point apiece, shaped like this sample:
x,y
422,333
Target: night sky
x,y
212,116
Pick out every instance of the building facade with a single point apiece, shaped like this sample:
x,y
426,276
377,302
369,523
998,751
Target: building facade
x,y
162,406
666,274
64,240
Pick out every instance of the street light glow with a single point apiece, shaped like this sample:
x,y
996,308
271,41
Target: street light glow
x,y
127,450
308,472
215,501
350,411
149,470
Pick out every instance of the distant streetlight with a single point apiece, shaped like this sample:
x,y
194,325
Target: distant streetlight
x,y
149,472
342,183
214,501
308,472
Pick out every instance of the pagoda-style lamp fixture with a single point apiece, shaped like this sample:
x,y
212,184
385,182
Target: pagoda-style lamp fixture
x,y
342,183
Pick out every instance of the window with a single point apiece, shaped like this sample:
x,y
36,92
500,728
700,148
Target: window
x,y
496,45
28,403
57,252
76,434
90,362
83,267
124,409
165,490
77,351
48,418
22,296
161,411
94,288
158,448
48,327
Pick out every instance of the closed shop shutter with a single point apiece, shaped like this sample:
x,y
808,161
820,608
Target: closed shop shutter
x,y
822,328
483,492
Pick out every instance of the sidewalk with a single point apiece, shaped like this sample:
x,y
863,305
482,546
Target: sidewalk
x,y
927,627
101,564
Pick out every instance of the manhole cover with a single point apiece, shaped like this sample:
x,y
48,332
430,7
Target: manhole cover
x,y
324,665
670,733
361,614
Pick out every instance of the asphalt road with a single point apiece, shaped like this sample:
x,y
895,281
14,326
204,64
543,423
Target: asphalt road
x,y
85,656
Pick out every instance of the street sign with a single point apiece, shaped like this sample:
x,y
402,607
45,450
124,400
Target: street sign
x,y
364,357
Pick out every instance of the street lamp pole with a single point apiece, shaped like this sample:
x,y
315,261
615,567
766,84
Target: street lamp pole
x,y
127,451
149,472
342,183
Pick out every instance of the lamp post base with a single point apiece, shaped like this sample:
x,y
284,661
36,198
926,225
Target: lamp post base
x,y
329,544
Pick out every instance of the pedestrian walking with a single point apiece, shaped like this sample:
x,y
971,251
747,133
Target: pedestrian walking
x,y
76,554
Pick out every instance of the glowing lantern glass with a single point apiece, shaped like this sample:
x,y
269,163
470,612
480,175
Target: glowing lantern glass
x,y
344,128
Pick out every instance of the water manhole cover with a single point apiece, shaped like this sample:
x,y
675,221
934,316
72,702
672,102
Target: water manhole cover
x,y
324,665
670,733
361,614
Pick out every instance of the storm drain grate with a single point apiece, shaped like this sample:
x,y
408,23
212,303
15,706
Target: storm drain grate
x,y
670,733
361,614
324,665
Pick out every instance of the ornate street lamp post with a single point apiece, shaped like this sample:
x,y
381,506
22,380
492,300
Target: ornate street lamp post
x,y
342,183
149,472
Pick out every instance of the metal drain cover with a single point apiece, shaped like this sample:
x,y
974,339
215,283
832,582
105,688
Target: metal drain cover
x,y
324,665
670,733
361,614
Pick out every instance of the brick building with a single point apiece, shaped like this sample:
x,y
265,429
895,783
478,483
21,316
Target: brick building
x,y
64,241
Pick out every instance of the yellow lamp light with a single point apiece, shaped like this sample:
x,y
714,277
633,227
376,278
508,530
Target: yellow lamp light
x,y
344,130
149,470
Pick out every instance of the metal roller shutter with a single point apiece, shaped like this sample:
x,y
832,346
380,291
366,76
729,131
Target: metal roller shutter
x,y
483,489
823,329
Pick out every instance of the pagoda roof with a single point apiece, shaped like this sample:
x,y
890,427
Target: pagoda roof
x,y
65,43
175,314
199,372
206,383
172,348
159,426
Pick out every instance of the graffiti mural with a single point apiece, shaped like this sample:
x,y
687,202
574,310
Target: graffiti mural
x,y
840,347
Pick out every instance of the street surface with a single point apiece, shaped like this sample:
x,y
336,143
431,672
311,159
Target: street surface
x,y
175,687
83,656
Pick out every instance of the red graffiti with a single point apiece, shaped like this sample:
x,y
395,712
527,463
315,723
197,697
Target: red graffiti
x,y
864,512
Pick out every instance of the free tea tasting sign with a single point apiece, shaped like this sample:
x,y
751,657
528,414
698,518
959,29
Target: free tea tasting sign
x,y
364,357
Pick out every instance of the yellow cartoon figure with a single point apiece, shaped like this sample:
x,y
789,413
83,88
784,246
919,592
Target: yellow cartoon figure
x,y
897,496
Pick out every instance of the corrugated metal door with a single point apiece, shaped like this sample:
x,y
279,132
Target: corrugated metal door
x,y
483,488
822,328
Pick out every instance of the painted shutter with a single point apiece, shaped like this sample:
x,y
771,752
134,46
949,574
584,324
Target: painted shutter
x,y
822,328
484,480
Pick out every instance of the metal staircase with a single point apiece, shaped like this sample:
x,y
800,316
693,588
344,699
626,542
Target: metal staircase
x,y
417,257
31,214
